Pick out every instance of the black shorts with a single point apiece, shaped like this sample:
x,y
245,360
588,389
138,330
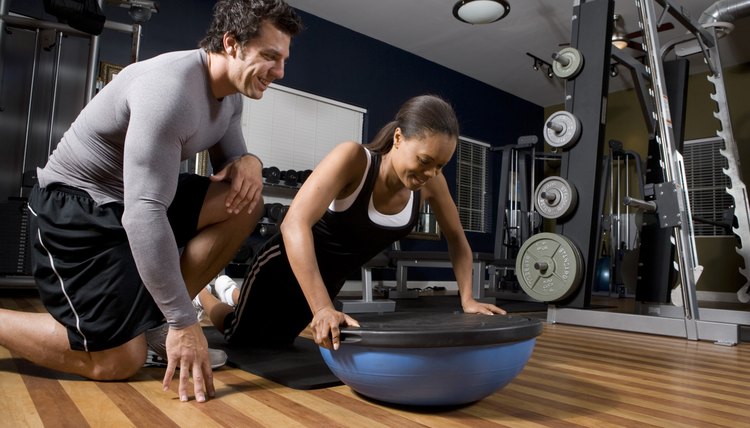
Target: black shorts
x,y
83,266
270,278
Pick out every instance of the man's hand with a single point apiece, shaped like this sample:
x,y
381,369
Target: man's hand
x,y
187,349
245,175
325,327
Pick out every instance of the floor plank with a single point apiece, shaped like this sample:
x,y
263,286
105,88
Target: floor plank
x,y
576,377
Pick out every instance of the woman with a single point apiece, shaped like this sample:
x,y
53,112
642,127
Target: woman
x,y
358,200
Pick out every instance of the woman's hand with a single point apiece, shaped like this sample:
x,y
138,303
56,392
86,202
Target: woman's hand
x,y
325,327
472,306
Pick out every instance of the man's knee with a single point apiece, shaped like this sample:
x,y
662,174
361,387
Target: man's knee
x,y
118,363
248,220
214,210
258,212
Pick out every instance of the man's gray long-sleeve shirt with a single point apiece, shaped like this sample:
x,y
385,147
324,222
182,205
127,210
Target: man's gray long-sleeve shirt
x,y
127,145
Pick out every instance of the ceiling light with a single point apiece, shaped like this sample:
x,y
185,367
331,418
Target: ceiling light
x,y
480,11
619,36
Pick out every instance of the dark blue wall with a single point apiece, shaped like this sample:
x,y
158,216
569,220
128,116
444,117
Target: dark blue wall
x,y
334,62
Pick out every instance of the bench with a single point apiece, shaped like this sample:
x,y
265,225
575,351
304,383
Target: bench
x,y
439,259
402,261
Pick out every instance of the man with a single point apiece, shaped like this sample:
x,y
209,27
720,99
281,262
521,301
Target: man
x,y
121,240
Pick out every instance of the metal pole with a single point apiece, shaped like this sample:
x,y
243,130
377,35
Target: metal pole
x,y
136,45
619,206
93,67
4,4
55,84
31,102
627,208
514,204
687,259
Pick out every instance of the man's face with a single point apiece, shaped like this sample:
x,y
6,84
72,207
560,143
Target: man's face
x,y
260,61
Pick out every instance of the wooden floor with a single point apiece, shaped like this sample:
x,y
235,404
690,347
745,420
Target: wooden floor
x,y
576,377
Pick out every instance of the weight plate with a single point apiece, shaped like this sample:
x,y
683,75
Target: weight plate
x,y
562,129
555,198
568,63
549,267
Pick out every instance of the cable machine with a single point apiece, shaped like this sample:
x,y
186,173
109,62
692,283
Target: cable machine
x,y
42,90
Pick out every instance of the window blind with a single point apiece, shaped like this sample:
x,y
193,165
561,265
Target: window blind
x,y
706,183
472,197
291,129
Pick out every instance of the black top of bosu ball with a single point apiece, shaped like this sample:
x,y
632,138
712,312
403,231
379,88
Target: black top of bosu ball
x,y
437,330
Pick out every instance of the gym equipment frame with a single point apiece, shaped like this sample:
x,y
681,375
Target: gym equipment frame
x,y
672,197
36,65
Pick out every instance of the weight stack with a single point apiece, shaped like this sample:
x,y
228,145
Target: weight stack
x,y
15,251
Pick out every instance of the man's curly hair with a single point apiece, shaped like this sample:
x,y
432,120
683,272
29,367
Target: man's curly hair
x,y
242,19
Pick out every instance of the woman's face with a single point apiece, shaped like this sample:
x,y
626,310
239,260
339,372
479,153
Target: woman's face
x,y
418,159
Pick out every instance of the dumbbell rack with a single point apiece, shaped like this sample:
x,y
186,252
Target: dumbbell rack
x,y
673,192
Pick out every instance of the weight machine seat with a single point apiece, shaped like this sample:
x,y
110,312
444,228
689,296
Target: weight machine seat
x,y
381,260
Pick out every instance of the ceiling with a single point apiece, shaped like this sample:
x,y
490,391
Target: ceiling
x,y
496,53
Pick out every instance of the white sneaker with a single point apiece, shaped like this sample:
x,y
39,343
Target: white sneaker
x,y
200,313
224,287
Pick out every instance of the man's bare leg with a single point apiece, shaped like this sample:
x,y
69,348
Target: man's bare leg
x,y
40,339
220,237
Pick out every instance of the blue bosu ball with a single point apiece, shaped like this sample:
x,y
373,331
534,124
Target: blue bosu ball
x,y
429,359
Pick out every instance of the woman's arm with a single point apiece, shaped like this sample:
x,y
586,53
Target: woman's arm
x,y
335,177
436,193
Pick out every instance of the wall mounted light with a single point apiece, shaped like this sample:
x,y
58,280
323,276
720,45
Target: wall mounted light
x,y
480,11
619,36
613,70
540,64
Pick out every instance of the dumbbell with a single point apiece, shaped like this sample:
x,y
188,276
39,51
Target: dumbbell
x,y
290,177
273,211
282,213
267,229
271,174
277,212
304,175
